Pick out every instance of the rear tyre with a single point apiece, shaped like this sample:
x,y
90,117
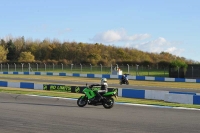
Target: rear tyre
x,y
127,82
108,103
120,82
82,101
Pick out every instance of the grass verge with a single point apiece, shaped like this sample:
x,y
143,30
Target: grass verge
x,y
76,95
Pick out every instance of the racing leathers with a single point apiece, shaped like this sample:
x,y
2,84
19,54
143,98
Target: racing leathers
x,y
103,89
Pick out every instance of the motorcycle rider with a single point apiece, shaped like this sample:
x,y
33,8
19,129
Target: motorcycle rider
x,y
103,89
123,78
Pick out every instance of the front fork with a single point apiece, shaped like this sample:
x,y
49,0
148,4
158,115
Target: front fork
x,y
84,97
115,96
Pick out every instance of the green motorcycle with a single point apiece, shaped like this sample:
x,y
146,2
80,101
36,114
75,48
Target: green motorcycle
x,y
90,98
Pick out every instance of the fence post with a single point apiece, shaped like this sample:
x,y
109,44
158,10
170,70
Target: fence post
x,y
71,66
15,67
192,71
178,72
29,67
128,68
37,66
164,71
62,66
45,67
111,68
8,67
91,68
22,66
81,67
137,69
101,68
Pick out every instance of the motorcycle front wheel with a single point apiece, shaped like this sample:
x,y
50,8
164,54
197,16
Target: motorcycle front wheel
x,y
120,82
108,103
82,101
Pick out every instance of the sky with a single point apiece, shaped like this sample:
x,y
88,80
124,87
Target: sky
x,y
148,25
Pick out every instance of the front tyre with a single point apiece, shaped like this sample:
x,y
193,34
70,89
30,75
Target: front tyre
x,y
127,82
120,82
108,103
82,101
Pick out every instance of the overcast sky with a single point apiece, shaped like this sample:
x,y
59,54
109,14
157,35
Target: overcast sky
x,y
149,25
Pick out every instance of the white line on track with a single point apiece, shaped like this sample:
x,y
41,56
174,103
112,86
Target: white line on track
x,y
129,104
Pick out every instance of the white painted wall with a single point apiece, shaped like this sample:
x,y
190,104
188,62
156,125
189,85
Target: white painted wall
x,y
170,79
56,74
14,84
38,86
155,94
149,78
179,98
83,75
98,75
190,80
119,92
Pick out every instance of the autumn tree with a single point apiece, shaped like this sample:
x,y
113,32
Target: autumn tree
x,y
74,52
3,53
26,57
19,44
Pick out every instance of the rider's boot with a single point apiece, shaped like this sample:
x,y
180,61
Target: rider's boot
x,y
100,98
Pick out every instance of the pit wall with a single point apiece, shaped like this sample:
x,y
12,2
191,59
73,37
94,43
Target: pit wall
x,y
168,96
162,79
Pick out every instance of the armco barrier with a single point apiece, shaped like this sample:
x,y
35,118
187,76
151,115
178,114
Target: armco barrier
x,y
161,79
170,96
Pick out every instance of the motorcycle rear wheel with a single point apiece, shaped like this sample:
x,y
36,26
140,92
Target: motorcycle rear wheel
x,y
108,103
81,102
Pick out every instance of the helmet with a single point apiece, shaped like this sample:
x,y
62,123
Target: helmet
x,y
103,80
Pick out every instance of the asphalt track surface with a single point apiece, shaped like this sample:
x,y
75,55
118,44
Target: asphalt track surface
x,y
32,114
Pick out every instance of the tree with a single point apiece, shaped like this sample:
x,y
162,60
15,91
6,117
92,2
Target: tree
x,y
19,46
178,63
26,57
3,53
3,43
11,51
84,52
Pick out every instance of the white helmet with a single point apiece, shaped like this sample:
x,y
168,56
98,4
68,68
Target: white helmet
x,y
103,80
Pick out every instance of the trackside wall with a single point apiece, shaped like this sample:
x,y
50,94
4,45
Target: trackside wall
x,y
169,96
161,79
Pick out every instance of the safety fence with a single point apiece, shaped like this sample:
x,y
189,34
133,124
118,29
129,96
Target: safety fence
x,y
138,70
193,70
